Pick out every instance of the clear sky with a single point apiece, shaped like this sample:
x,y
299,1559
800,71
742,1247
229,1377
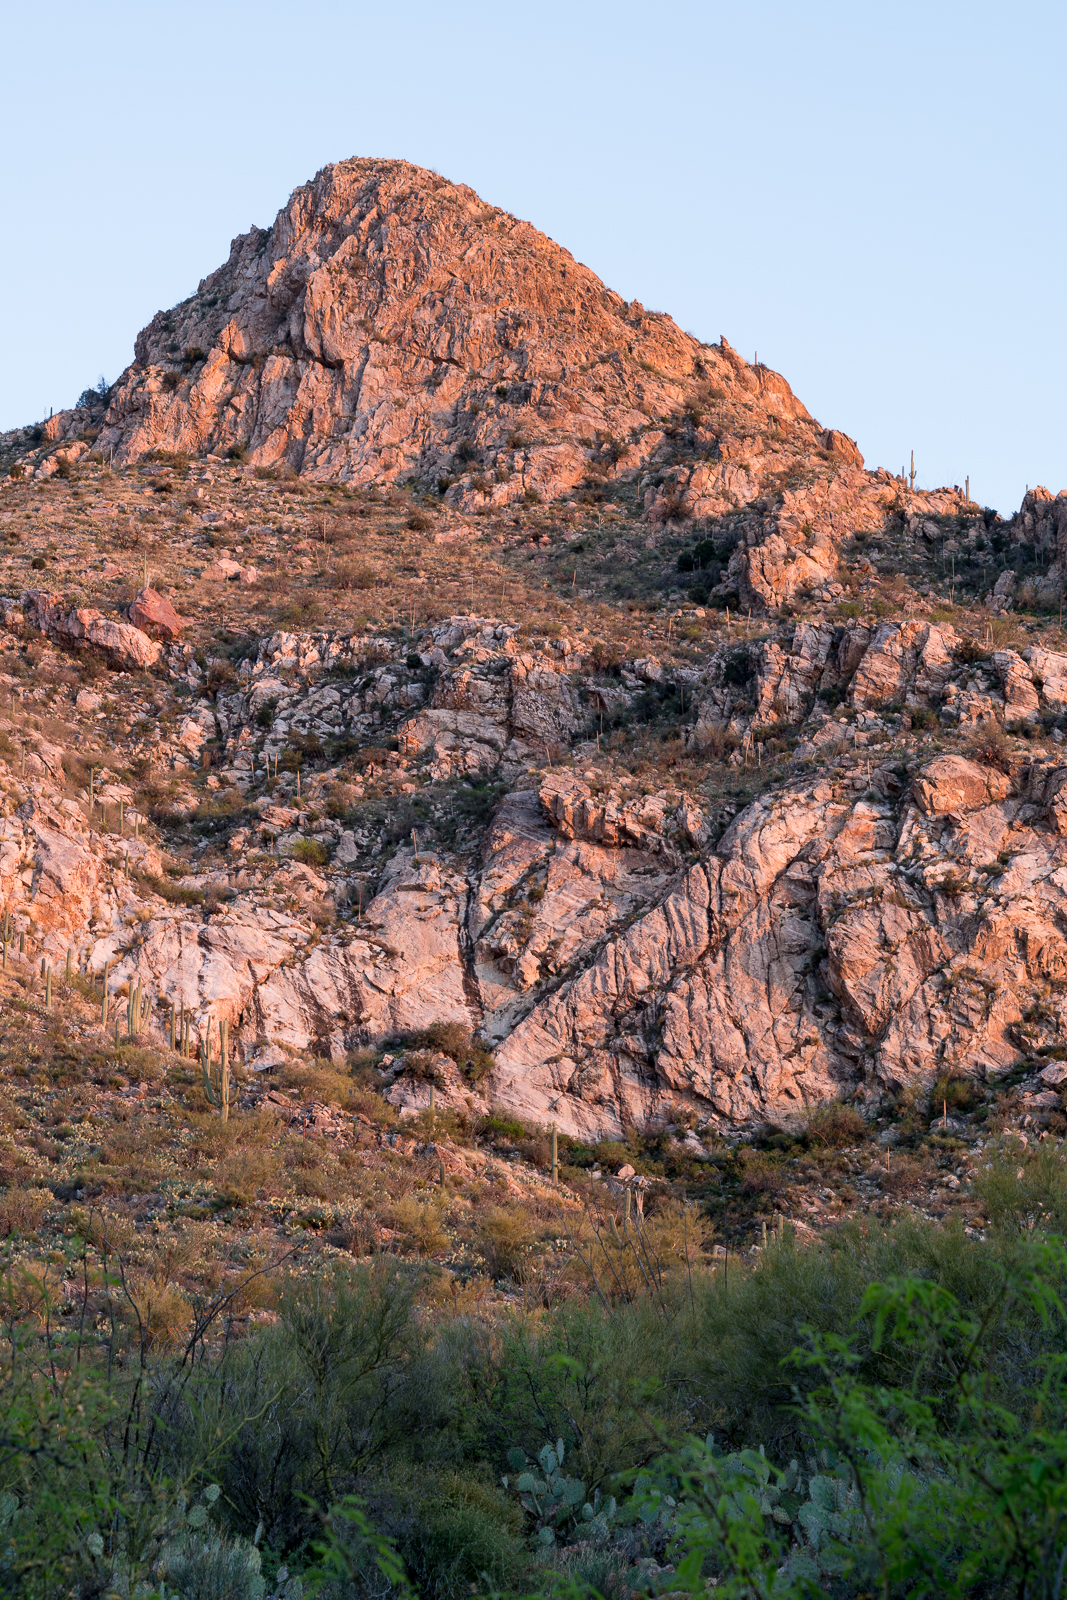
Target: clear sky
x,y
869,195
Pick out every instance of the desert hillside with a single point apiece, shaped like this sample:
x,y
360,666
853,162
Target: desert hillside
x,y
530,879
423,659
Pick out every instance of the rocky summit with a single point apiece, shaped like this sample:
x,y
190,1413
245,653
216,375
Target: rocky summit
x,y
420,643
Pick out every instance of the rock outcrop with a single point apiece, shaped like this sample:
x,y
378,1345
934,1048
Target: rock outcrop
x,y
827,944
631,957
391,324
122,643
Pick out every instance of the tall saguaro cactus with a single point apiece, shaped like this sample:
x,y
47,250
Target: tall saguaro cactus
x,y
217,1085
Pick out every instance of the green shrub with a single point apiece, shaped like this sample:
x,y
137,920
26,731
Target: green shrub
x,y
969,651
504,1127
312,852
954,1092
743,1327
451,1039
172,892
991,747
504,1237
739,667
700,557
349,575
1024,1190
467,1537
834,1126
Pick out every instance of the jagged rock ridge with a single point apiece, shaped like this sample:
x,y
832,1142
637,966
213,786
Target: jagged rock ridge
x,y
393,328
391,325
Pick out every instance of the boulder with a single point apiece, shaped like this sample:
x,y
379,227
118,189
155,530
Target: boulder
x,y
155,616
1020,696
124,646
1049,669
841,445
952,784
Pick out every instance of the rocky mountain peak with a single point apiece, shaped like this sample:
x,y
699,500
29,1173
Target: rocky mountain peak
x,y
392,329
391,326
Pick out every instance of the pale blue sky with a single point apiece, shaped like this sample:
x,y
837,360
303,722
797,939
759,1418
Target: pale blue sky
x,y
869,195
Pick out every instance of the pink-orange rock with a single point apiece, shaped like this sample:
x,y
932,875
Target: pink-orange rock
x,y
1020,696
952,784
903,658
155,616
124,645
391,324
841,445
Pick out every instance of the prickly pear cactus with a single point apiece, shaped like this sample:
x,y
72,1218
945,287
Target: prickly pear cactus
x,y
557,1504
200,1560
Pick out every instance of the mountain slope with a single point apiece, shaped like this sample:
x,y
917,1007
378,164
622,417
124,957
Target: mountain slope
x,y
391,326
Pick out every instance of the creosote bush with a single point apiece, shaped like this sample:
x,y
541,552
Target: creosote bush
x,y
991,747
352,575
834,1126
454,1040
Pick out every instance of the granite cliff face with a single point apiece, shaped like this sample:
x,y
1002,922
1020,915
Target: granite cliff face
x,y
635,957
712,871
391,325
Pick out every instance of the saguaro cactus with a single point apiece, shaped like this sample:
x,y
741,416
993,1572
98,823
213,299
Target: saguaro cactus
x,y
135,1011
217,1084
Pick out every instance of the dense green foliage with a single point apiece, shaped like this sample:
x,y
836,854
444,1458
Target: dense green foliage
x,y
883,1413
